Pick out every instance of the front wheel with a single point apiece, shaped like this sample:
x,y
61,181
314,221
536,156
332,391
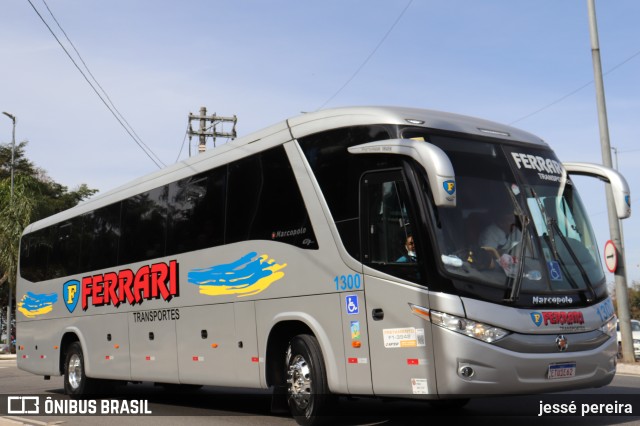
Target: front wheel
x,y
307,390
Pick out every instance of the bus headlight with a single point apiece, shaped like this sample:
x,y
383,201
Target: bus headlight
x,y
610,327
477,330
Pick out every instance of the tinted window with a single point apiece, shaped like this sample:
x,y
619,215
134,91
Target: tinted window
x,y
35,249
197,212
65,254
338,172
264,201
144,225
99,239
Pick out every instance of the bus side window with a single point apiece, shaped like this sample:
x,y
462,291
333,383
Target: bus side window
x,y
387,224
196,212
264,202
99,238
144,224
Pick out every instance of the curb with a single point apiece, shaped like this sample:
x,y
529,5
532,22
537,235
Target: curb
x,y
8,356
628,368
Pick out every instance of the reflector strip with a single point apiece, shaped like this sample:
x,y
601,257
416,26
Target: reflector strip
x,y
255,359
150,358
197,358
357,360
108,357
416,361
43,356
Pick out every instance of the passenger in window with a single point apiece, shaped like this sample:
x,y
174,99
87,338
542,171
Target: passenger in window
x,y
410,249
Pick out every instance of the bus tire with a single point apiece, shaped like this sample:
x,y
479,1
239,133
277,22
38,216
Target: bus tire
x,y
307,389
76,382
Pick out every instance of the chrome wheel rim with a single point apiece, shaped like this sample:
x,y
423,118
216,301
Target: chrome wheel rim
x,y
74,371
299,381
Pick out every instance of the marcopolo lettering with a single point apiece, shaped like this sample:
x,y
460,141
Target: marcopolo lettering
x,y
156,281
558,300
289,233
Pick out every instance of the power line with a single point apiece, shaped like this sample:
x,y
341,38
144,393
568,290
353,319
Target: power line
x,y
368,57
111,109
575,91
98,84
186,132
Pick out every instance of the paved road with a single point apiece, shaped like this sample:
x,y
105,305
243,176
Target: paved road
x,y
218,406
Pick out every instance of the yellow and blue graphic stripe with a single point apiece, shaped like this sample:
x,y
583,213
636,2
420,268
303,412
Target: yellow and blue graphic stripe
x,y
247,276
33,304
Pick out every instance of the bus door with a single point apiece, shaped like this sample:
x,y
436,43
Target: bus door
x,y
400,342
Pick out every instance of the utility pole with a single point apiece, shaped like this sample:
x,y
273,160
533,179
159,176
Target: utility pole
x,y
10,307
205,131
614,224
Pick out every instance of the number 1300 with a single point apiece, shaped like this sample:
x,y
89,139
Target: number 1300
x,y
348,282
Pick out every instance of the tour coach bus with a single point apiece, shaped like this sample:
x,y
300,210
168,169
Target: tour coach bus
x,y
278,261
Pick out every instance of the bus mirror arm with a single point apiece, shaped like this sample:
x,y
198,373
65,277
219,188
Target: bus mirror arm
x,y
442,179
619,186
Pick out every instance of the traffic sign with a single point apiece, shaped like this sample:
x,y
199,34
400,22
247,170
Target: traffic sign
x,y
610,256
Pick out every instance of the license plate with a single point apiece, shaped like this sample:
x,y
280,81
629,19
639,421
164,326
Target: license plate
x,y
562,370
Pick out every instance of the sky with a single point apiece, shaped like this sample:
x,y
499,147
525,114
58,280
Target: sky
x,y
523,63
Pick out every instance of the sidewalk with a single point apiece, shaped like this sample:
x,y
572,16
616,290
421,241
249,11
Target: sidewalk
x,y
628,368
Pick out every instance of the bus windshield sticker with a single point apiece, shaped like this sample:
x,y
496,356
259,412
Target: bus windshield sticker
x,y
247,276
546,168
33,304
554,270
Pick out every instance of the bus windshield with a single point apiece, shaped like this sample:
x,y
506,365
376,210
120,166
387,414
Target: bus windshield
x,y
519,229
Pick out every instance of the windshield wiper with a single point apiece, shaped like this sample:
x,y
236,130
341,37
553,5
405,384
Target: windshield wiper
x,y
516,281
585,277
554,229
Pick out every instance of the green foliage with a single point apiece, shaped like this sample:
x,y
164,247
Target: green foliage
x,y
634,300
633,296
35,196
15,215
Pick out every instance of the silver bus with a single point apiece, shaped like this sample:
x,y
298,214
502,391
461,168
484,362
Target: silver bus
x,y
364,251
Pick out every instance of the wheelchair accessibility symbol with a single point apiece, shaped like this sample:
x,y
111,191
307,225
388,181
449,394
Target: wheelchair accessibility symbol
x,y
352,305
555,272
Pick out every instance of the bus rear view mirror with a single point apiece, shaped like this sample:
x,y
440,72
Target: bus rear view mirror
x,y
619,186
442,179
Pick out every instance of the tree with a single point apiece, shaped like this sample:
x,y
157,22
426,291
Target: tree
x,y
15,215
633,293
634,300
35,196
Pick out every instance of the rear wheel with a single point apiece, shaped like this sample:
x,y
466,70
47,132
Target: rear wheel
x,y
307,390
76,381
